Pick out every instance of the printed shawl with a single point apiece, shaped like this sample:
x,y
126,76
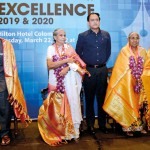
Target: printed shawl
x,y
121,102
16,96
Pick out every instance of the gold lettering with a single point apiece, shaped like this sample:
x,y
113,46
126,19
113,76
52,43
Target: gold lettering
x,y
77,8
33,9
68,9
2,8
41,10
11,9
23,5
57,9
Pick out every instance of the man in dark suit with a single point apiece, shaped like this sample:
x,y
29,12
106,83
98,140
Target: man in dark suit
x,y
94,48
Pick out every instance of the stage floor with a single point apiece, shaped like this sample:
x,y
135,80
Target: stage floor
x,y
30,139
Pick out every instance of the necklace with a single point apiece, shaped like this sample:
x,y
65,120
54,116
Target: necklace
x,y
59,50
136,71
60,87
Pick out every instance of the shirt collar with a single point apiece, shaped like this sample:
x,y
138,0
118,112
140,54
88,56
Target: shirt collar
x,y
94,32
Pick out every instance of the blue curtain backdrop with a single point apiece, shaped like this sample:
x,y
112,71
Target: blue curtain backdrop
x,y
29,27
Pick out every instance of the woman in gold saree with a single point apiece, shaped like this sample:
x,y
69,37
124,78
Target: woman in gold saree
x,y
60,115
125,99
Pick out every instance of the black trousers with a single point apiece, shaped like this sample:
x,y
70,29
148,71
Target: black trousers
x,y
5,113
95,85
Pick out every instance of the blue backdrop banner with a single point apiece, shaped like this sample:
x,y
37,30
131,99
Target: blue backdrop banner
x,y
29,26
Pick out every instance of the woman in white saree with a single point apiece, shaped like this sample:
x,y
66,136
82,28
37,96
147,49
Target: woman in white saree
x,y
60,115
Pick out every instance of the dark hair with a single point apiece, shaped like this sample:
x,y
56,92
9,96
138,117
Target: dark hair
x,y
88,17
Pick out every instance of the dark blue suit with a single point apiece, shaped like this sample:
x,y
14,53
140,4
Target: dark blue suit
x,y
95,49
